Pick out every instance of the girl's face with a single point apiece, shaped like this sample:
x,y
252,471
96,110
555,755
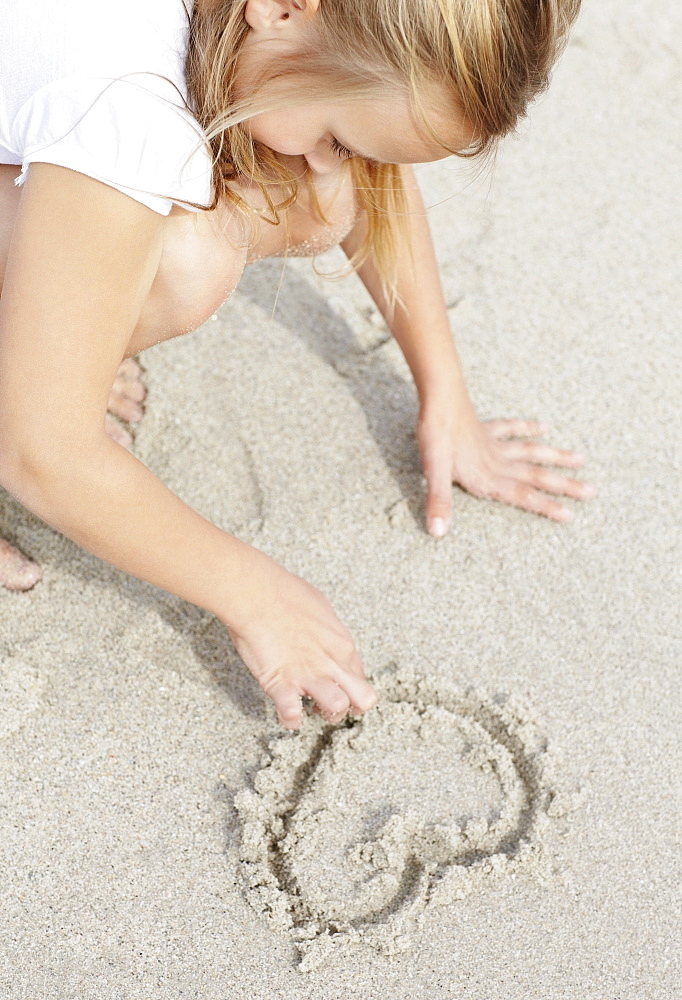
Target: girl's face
x,y
383,128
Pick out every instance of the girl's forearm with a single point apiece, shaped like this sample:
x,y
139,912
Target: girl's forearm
x,y
285,631
419,322
109,503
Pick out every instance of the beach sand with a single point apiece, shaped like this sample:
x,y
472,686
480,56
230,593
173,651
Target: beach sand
x,y
506,825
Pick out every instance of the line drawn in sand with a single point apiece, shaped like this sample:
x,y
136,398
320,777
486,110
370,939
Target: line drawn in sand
x,y
351,831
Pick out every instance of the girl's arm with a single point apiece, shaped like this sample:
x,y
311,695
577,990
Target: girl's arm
x,y
81,263
454,445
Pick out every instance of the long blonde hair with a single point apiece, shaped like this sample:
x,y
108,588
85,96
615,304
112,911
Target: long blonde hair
x,y
489,58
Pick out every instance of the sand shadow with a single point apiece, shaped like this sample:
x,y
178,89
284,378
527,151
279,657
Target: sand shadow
x,y
387,400
215,653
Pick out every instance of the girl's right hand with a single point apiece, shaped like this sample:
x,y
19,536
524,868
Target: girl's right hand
x,y
295,646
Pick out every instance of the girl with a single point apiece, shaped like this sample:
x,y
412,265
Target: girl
x,y
121,229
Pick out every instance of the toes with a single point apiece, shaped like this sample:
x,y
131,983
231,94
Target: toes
x,y
119,434
124,407
128,381
129,369
126,396
16,571
129,389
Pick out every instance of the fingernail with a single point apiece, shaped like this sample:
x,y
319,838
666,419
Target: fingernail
x,y
588,490
438,527
565,514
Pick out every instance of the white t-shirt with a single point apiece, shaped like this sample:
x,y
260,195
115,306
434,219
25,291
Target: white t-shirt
x,y
82,85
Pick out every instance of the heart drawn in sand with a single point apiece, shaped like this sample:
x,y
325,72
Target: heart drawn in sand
x,y
351,831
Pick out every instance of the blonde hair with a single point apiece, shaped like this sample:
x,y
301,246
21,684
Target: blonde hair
x,y
487,58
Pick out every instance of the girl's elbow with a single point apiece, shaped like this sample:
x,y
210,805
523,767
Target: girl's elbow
x,y
32,461
23,472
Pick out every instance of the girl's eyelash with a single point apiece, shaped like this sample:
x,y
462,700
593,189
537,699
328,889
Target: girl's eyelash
x,y
340,150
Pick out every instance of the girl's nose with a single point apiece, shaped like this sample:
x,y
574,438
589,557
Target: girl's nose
x,y
322,160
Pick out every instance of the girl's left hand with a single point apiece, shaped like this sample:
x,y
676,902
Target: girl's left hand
x,y
488,460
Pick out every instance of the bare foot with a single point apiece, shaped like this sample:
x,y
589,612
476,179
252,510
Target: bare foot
x,y
16,571
125,402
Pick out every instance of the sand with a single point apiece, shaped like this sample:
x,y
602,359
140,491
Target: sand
x,y
438,788
506,824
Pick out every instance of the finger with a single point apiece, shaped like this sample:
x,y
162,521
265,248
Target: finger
x,y
438,472
530,451
331,699
526,497
288,704
555,482
501,429
356,667
360,693
346,655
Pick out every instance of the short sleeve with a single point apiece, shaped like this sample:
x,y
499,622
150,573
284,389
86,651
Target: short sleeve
x,y
131,133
